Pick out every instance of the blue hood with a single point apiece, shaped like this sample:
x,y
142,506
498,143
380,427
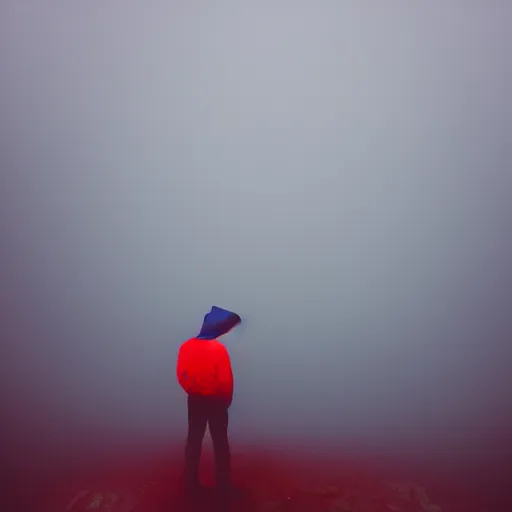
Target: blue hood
x,y
218,322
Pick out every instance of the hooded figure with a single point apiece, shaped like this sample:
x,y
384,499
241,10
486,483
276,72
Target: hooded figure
x,y
218,322
204,372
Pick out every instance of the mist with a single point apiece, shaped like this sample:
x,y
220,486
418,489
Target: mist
x,y
338,174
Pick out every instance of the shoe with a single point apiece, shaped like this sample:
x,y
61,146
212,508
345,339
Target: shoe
x,y
233,493
194,488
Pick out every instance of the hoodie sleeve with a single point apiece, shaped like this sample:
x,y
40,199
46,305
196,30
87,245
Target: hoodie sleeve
x,y
181,373
224,374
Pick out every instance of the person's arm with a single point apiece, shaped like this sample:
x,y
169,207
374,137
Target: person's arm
x,y
225,375
181,370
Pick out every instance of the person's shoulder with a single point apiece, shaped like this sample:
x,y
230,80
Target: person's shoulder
x,y
188,343
218,346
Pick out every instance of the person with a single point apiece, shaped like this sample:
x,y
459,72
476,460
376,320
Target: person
x,y
204,372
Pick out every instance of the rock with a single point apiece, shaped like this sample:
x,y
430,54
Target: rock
x,y
85,501
410,497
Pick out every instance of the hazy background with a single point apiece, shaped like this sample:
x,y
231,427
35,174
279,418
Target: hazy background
x,y
337,173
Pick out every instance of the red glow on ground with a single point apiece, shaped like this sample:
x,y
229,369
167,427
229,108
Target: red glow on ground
x,y
273,481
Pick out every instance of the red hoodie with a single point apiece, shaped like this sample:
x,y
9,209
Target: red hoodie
x,y
204,368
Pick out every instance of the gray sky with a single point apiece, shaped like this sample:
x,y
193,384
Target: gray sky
x,y
337,174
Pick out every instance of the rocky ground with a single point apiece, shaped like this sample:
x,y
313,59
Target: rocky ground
x,y
391,497
270,482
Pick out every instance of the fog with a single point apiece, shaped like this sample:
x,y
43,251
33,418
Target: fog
x,y
338,174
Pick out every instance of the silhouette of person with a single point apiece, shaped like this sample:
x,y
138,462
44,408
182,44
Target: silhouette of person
x,y
204,372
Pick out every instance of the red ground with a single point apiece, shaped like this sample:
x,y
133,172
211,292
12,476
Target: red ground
x,y
274,482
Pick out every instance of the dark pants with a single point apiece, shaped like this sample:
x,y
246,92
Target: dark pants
x,y
203,411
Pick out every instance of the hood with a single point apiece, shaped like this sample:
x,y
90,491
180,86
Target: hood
x,y
218,322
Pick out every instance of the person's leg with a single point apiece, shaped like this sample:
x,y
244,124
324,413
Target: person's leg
x,y
218,423
197,421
